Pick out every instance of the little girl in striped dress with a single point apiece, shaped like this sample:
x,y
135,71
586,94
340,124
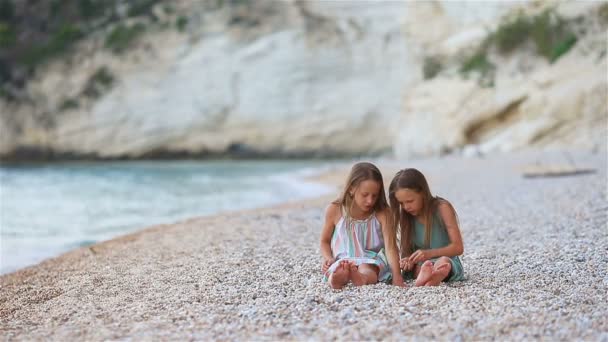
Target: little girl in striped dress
x,y
358,244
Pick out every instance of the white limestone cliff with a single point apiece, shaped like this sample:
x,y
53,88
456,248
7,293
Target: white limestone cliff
x,y
310,78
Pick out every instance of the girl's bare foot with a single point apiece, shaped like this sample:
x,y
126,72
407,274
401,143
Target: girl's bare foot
x,y
356,277
439,273
426,271
340,276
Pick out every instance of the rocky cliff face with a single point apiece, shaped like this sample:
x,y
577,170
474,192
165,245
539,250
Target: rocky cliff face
x,y
532,101
303,78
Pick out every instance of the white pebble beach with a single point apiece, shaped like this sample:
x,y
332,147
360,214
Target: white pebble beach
x,y
535,260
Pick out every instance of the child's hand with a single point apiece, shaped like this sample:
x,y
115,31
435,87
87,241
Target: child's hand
x,y
399,282
326,263
406,265
419,256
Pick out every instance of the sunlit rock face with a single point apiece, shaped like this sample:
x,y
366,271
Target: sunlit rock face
x,y
316,78
304,78
561,106
532,102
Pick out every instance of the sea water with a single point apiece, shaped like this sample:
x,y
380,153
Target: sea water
x,y
48,209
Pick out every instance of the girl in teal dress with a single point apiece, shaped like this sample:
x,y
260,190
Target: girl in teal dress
x,y
430,240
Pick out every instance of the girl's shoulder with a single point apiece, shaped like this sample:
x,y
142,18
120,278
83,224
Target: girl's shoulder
x,y
333,212
445,210
443,205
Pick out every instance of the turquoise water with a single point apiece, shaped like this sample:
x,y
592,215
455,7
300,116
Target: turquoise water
x,y
49,209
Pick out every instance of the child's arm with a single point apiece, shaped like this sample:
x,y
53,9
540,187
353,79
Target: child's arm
x,y
326,234
390,247
454,248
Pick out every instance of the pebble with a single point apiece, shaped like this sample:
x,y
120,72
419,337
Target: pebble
x,y
534,261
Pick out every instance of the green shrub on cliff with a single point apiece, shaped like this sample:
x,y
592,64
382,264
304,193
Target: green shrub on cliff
x,y
7,10
60,42
181,23
562,47
141,7
92,8
479,63
511,34
431,67
122,36
7,35
548,31
32,32
98,83
603,13
69,104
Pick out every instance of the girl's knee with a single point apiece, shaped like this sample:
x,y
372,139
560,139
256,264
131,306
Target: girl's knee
x,y
444,260
369,268
444,263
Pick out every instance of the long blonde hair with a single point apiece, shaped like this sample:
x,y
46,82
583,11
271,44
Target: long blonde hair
x,y
361,172
402,221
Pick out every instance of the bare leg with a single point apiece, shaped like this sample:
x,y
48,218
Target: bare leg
x,y
364,274
356,277
340,276
370,271
440,271
426,271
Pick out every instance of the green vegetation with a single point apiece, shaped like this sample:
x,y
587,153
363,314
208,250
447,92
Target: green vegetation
x,y
122,36
7,36
91,8
32,32
181,23
60,41
478,62
169,9
7,10
99,82
548,31
603,13
431,67
562,47
103,76
68,104
541,31
55,8
511,34
141,7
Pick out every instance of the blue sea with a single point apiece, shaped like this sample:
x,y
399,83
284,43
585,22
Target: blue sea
x,y
48,209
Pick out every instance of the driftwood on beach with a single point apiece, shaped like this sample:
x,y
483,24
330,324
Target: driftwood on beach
x,y
538,171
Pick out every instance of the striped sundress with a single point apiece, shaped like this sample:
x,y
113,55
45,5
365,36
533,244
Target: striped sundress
x,y
360,241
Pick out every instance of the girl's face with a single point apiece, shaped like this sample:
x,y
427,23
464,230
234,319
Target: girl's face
x,y
410,200
366,195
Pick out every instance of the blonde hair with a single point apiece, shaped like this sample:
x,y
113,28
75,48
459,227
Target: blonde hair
x,y
361,172
402,221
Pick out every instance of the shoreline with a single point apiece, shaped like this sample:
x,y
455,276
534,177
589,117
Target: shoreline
x,y
22,249
254,274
